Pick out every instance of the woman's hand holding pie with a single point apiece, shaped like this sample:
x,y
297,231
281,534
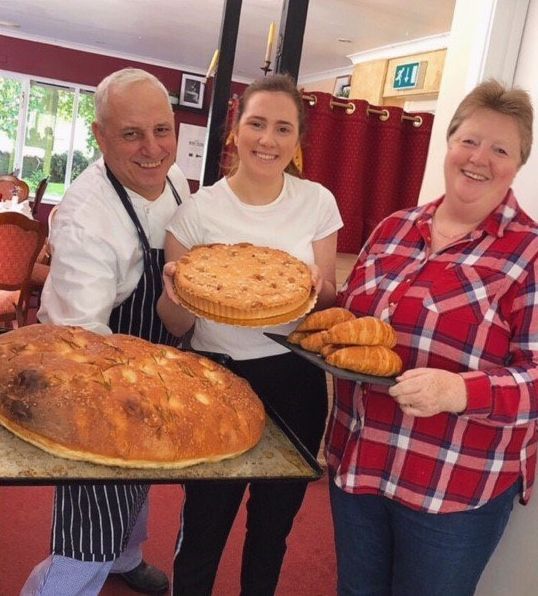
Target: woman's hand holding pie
x,y
169,271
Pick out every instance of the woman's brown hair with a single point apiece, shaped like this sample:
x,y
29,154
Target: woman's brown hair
x,y
278,83
493,95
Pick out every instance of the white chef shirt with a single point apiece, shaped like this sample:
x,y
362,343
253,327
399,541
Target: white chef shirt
x,y
97,255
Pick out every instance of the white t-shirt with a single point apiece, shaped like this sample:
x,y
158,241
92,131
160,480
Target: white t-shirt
x,y
304,212
97,256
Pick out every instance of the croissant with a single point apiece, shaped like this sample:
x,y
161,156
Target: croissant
x,y
313,342
370,360
327,349
323,319
364,331
295,337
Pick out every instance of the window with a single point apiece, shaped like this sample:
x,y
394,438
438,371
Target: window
x,y
45,130
11,95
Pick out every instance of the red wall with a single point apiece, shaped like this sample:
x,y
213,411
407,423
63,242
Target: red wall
x,y
86,68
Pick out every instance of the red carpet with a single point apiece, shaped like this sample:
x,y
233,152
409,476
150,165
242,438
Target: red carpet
x,y
309,567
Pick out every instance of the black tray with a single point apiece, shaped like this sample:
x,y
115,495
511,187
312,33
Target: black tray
x,y
318,360
278,456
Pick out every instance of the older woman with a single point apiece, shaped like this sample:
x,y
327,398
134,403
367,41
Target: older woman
x,y
424,475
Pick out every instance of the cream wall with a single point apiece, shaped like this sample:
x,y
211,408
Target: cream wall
x,y
325,85
371,79
526,77
513,568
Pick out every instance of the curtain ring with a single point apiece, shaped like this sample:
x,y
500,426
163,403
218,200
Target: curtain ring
x,y
384,114
349,106
416,120
311,99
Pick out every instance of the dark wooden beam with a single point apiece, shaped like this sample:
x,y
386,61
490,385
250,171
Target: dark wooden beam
x,y
221,91
290,37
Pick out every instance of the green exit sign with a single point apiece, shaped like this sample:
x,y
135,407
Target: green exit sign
x,y
406,76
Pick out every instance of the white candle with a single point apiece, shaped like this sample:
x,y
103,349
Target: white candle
x,y
212,64
270,41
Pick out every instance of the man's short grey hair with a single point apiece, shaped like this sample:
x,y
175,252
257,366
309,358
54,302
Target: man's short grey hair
x,y
120,79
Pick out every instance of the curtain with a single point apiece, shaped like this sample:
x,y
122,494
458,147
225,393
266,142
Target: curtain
x,y
372,158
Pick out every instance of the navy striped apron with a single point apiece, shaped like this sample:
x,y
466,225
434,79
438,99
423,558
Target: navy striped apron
x,y
94,522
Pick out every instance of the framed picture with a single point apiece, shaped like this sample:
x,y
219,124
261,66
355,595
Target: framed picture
x,y
342,85
191,94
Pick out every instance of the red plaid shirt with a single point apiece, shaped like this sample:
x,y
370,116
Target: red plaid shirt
x,y
471,308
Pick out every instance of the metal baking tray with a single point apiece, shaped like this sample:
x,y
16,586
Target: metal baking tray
x,y
278,456
318,360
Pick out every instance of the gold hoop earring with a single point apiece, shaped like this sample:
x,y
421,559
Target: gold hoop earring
x,y
298,158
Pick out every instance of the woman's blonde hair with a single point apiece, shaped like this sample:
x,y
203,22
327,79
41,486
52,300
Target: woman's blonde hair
x,y
493,95
278,83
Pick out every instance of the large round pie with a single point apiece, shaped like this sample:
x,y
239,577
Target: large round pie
x,y
244,284
121,400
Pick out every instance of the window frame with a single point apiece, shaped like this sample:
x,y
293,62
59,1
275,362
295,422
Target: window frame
x,y
26,80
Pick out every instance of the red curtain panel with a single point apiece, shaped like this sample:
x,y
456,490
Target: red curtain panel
x,y
371,157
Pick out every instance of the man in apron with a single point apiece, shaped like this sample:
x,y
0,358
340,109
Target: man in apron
x,y
107,244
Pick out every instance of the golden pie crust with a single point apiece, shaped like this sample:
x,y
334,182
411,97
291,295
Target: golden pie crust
x,y
120,400
244,284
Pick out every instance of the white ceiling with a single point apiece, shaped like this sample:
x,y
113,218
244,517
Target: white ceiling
x,y
183,34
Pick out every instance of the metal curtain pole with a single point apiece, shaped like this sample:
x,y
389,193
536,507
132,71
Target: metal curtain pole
x,y
220,93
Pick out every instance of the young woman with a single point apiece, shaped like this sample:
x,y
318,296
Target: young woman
x,y
259,202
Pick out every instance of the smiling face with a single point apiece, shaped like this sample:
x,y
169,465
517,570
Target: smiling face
x,y
267,134
137,138
483,157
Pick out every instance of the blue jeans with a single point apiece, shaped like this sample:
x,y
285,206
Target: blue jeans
x,y
387,549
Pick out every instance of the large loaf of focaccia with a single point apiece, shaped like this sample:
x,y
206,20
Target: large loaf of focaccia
x,y
123,401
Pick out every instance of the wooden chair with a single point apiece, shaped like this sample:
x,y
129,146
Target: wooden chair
x,y
21,240
8,183
39,193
